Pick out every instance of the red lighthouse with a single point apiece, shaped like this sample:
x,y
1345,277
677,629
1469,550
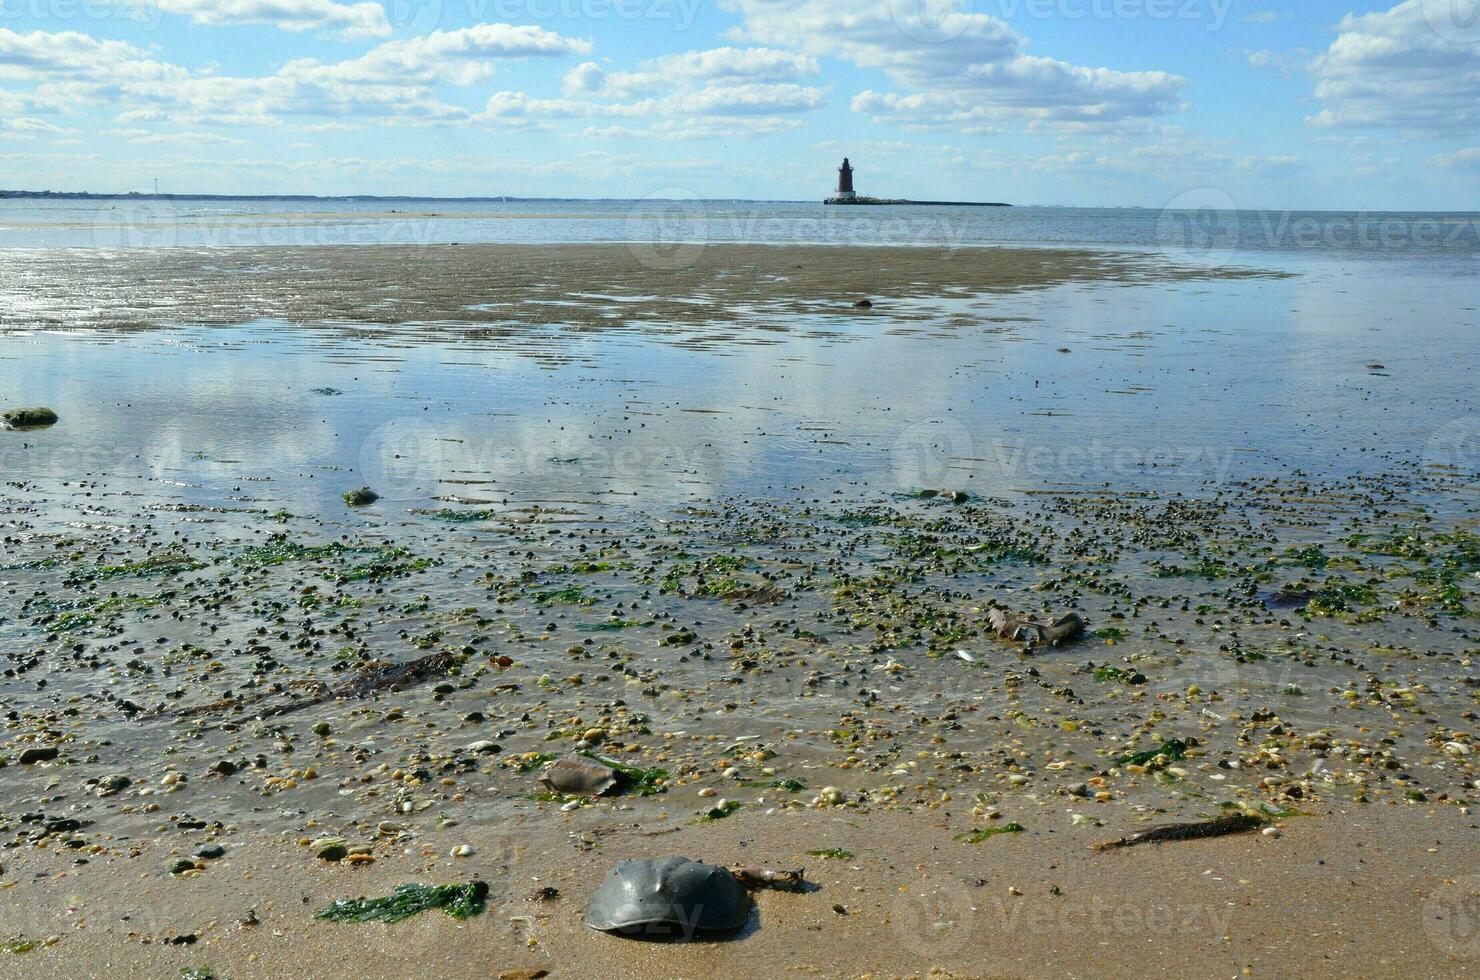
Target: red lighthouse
x,y
845,180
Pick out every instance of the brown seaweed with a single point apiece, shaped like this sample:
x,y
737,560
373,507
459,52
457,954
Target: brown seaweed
x,y
1233,823
785,881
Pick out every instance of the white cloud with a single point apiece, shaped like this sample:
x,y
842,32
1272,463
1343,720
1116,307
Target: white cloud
x,y
348,20
393,81
956,66
149,137
24,127
725,66
1466,159
1287,63
715,103
1398,69
461,57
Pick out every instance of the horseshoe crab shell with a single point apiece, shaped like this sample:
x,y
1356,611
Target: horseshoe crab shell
x,y
672,892
578,777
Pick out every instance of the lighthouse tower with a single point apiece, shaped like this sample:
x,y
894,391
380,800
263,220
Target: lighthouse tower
x,y
845,181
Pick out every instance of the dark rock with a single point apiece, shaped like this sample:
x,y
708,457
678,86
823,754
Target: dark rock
x,y
333,852
28,418
40,753
362,497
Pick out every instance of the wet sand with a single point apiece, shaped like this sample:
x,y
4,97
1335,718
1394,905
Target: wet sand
x,y
1342,893
490,290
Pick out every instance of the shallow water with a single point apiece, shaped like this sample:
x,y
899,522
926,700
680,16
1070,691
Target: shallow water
x,y
1164,386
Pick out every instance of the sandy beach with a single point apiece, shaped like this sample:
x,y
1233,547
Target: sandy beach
x,y
1342,893
723,527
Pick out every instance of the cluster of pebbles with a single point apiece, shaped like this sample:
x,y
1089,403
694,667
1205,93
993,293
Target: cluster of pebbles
x,y
350,680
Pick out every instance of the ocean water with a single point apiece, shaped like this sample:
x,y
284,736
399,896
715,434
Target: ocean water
x,y
1168,385
1192,231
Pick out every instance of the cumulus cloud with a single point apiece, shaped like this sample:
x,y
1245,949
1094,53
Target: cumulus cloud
x,y
1404,68
713,102
710,91
150,137
348,20
1466,159
717,66
959,65
394,80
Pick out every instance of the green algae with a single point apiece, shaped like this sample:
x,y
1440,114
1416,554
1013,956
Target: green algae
x,y
832,853
608,625
571,595
1340,597
458,901
1174,749
389,562
646,782
1117,675
279,550
457,516
160,565
720,812
987,833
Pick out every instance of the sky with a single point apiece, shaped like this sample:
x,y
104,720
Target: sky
x,y
1318,104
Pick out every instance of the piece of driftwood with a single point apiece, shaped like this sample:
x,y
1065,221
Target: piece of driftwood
x,y
1036,632
1233,823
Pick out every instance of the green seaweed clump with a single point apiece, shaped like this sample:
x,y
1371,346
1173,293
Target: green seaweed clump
x,y
1339,598
1174,750
720,812
362,497
647,782
571,595
19,945
985,833
458,901
607,625
1118,675
832,853
457,516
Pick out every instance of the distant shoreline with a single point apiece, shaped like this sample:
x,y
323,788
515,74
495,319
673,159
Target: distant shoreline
x,y
504,198
882,201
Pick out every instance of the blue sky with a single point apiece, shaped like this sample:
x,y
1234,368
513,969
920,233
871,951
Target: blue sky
x,y
1324,104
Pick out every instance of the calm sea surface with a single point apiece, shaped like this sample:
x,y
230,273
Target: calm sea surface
x,y
1168,385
